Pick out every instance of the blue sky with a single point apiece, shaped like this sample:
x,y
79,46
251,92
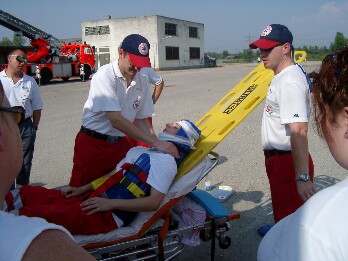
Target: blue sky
x,y
229,24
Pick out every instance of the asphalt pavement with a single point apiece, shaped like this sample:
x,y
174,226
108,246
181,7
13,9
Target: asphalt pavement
x,y
188,94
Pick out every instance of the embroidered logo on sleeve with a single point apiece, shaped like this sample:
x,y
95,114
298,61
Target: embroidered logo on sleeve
x,y
268,109
136,104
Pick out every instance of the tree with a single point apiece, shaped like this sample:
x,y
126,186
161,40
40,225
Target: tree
x,y
340,42
248,55
6,42
18,40
224,54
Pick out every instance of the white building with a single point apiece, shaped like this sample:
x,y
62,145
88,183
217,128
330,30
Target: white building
x,y
174,43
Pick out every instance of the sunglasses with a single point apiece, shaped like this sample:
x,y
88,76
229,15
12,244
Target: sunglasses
x,y
20,59
270,49
18,113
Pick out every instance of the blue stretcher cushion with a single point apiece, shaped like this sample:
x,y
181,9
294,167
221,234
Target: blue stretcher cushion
x,y
209,203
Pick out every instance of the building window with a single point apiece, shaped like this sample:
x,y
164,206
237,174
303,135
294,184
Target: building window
x,y
195,53
170,29
172,53
193,32
97,30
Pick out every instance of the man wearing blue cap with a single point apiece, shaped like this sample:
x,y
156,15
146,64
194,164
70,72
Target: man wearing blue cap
x,y
289,165
118,104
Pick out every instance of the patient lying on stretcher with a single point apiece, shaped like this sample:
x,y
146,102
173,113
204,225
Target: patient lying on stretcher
x,y
138,184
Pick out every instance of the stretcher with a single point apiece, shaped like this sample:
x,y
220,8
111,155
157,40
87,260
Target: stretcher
x,y
153,235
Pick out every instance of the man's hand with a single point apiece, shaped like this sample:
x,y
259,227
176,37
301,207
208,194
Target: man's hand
x,y
305,189
70,192
166,147
94,205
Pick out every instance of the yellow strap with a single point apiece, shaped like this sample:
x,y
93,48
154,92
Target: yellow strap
x,y
98,182
220,120
135,190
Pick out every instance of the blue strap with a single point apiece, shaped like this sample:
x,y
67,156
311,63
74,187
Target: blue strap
x,y
209,203
310,84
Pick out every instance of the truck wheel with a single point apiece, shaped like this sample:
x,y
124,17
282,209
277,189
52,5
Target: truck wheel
x,y
87,71
46,76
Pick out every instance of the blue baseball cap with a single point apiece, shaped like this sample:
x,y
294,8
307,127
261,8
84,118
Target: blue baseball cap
x,y
137,48
272,36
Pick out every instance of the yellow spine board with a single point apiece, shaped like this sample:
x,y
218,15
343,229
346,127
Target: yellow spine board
x,y
220,120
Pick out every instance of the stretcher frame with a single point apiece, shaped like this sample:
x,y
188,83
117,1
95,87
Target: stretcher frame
x,y
158,239
162,242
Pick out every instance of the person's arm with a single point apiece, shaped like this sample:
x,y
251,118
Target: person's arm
x,y
70,192
300,154
131,130
36,118
157,92
54,245
150,203
145,126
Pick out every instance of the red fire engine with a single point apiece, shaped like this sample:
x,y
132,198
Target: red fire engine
x,y
51,59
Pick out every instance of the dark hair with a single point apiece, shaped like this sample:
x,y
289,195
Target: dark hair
x,y
2,97
16,50
330,89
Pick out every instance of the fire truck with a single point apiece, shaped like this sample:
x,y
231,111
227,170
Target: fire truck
x,y
50,58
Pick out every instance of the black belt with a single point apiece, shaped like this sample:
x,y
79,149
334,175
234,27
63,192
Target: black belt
x,y
26,120
99,136
271,153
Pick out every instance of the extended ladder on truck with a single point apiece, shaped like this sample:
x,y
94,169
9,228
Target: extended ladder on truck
x,y
24,29
220,120
48,61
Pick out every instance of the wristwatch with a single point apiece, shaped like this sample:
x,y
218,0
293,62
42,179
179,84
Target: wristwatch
x,y
303,177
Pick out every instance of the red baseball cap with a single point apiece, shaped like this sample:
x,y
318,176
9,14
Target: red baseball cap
x,y
272,36
137,48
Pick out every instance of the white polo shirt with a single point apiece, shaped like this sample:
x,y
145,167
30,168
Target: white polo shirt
x,y
24,93
152,78
109,92
17,233
317,231
287,101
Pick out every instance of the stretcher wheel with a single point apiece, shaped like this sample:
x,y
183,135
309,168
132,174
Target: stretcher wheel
x,y
204,235
224,242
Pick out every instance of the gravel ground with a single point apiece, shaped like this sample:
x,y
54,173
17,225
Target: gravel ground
x,y
187,94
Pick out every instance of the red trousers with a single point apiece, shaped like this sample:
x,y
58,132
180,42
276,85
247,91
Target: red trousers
x,y
50,205
281,175
134,143
94,158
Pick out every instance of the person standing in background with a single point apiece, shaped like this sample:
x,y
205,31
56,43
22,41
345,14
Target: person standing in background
x,y
22,90
289,165
155,81
317,231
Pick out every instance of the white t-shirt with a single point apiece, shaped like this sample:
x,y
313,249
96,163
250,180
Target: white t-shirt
x,y
152,78
317,231
109,92
287,101
24,93
162,171
17,233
